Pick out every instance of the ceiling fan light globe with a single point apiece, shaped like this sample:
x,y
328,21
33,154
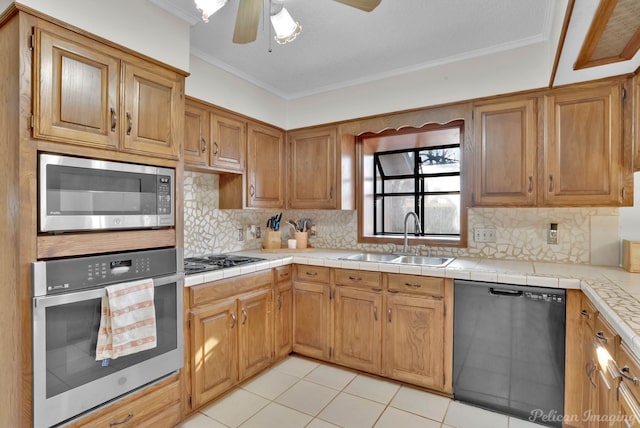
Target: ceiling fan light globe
x,y
209,7
285,27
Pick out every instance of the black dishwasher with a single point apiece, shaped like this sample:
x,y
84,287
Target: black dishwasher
x,y
508,349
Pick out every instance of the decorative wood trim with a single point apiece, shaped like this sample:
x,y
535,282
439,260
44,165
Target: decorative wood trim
x,y
64,245
573,354
601,21
563,36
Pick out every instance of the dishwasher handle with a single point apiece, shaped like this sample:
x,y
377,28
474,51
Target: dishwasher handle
x,y
508,293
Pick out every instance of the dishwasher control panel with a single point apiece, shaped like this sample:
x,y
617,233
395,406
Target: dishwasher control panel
x,y
544,297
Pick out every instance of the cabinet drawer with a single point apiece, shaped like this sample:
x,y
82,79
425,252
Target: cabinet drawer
x,y
358,278
629,370
139,409
283,273
212,291
588,312
413,284
308,273
605,335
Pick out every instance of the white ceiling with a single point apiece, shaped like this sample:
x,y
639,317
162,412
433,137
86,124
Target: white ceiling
x,y
341,46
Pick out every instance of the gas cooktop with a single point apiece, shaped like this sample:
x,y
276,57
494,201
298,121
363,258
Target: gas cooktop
x,y
214,262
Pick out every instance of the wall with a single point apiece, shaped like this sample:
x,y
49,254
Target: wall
x,y
137,25
586,235
630,216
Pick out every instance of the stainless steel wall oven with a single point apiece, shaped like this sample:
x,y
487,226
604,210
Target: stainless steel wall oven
x,y
67,293
90,194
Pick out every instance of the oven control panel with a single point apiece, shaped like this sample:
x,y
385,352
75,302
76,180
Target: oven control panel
x,y
78,273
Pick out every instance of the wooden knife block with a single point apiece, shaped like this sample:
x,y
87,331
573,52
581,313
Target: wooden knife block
x,y
271,239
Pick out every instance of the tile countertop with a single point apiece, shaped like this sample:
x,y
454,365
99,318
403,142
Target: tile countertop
x,y
613,291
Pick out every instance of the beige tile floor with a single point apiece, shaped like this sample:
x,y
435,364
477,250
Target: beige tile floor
x,y
302,393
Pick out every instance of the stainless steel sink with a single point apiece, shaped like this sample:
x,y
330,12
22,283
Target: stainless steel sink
x,y
371,257
424,261
400,259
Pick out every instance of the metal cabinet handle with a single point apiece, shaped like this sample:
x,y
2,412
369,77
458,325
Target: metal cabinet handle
x,y
412,285
624,372
589,369
375,313
114,119
389,314
376,289
530,184
124,421
203,144
355,278
244,316
393,291
129,123
252,190
312,273
550,183
233,318
585,314
600,335
215,144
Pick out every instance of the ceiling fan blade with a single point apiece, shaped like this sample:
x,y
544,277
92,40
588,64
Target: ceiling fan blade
x,y
247,21
366,5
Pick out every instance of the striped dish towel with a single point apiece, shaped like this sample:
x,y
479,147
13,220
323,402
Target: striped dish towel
x,y
128,320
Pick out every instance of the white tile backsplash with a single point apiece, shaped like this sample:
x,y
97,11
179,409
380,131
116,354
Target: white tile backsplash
x,y
586,235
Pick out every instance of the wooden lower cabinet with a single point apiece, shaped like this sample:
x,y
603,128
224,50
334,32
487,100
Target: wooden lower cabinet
x,y
255,350
214,350
157,406
283,312
358,331
311,319
414,341
391,325
231,333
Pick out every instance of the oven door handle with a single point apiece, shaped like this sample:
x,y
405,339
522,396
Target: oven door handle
x,y
96,293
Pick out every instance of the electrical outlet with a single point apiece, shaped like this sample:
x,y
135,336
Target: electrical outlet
x,y
552,234
241,234
484,234
258,232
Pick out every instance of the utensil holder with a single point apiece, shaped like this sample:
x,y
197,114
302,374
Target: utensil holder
x,y
271,239
301,239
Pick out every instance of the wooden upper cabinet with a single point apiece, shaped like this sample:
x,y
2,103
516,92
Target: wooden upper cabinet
x,y
76,89
265,167
635,89
196,134
583,147
505,156
153,110
76,98
312,169
228,143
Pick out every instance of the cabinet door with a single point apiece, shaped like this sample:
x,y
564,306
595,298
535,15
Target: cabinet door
x,y
229,137
589,384
358,329
312,166
635,89
255,350
153,110
505,155
284,320
265,167
583,148
196,134
311,320
414,341
214,350
76,89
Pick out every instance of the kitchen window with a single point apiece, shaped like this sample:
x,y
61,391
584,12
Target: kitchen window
x,y
416,169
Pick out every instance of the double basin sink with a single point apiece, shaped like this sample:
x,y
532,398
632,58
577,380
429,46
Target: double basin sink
x,y
399,259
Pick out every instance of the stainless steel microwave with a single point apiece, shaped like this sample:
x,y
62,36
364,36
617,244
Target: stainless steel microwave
x,y
88,194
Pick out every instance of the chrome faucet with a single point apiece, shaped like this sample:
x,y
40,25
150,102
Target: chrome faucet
x,y
416,219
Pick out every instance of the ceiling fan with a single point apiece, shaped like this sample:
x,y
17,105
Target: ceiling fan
x,y
248,17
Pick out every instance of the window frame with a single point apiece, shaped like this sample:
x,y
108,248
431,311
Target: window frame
x,y
426,240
